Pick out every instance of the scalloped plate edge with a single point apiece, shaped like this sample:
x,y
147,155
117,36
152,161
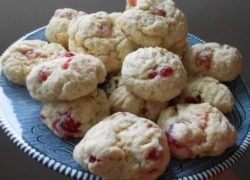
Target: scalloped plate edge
x,y
84,175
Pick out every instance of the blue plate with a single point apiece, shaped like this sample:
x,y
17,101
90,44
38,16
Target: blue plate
x,y
19,118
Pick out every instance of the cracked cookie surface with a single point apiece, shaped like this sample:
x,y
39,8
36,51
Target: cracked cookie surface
x,y
223,62
154,74
100,35
207,89
66,78
72,119
123,100
21,57
197,130
56,30
124,147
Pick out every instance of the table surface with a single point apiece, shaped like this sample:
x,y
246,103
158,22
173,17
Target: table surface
x,y
223,21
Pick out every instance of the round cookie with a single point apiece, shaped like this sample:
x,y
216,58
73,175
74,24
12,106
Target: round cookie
x,y
72,119
155,23
197,130
207,89
124,147
21,57
99,34
125,101
222,62
154,74
56,30
65,78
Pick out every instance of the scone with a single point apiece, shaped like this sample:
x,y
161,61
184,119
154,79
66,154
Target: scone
x,y
154,74
56,31
125,101
65,78
21,57
72,119
207,89
155,23
197,130
99,34
124,147
222,62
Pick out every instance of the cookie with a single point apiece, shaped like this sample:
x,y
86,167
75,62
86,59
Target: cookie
x,y
56,30
72,119
65,78
21,57
154,74
207,89
222,62
99,34
124,147
125,101
155,23
197,130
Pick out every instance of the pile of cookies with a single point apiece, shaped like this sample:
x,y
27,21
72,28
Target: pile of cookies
x,y
162,98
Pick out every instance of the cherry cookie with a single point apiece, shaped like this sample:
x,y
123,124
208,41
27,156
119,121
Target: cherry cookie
x,y
222,62
56,30
72,119
100,35
66,78
197,130
124,147
154,74
124,100
156,23
21,57
207,89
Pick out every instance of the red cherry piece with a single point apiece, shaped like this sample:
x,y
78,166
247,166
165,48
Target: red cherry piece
x,y
152,74
203,58
162,13
66,126
132,2
92,159
69,54
172,141
149,125
166,71
66,64
42,76
154,154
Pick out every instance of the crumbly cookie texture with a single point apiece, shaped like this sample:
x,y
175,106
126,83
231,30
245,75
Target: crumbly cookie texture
x,y
155,23
21,57
65,78
154,74
207,89
56,30
99,34
222,62
144,4
125,101
197,130
124,147
72,119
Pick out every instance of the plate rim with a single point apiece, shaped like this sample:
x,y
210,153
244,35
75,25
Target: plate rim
x,y
83,174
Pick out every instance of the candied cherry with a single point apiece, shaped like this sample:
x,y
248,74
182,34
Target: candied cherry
x,y
162,13
163,72
65,125
42,76
154,154
31,54
203,58
66,64
132,2
143,111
